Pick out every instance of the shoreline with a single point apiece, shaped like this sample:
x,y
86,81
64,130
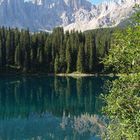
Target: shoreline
x,y
74,74
81,75
57,75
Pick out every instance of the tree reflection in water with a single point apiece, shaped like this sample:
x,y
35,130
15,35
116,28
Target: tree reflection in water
x,y
50,108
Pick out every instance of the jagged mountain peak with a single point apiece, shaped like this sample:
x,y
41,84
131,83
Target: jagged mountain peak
x,y
75,4
71,14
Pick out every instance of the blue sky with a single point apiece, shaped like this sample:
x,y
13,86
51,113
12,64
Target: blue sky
x,y
93,1
96,1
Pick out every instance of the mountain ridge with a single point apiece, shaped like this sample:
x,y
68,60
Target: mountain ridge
x,y
70,14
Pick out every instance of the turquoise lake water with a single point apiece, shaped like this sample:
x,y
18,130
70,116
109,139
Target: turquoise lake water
x,y
51,108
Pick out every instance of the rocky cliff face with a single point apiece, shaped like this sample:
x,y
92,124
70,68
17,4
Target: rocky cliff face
x,y
71,14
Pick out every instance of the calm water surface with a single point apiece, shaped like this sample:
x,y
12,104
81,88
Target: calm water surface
x,y
51,108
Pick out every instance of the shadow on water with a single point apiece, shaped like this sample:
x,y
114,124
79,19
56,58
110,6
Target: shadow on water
x,y
50,108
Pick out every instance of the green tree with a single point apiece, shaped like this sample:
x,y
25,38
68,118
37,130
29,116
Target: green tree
x,y
68,57
123,106
123,100
62,58
87,48
91,55
3,45
18,56
8,47
80,59
124,54
56,64
26,45
40,55
48,56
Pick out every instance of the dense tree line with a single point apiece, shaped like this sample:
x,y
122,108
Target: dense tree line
x,y
57,52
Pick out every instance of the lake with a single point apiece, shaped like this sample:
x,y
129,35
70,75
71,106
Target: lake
x,y
51,108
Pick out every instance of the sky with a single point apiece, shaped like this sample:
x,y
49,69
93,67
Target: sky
x,y
96,1
93,1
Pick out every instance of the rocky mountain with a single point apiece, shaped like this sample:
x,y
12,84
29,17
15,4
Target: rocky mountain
x,y
71,14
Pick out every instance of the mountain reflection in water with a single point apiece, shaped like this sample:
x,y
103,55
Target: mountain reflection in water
x,y
50,108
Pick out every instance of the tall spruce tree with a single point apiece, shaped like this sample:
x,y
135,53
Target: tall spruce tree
x,y
3,44
80,59
91,54
56,64
18,56
68,57
8,47
26,45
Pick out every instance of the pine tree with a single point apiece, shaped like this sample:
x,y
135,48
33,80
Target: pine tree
x,y
68,57
88,52
80,59
48,55
21,45
56,64
12,47
18,56
92,55
3,44
8,47
16,37
26,45
34,50
40,55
